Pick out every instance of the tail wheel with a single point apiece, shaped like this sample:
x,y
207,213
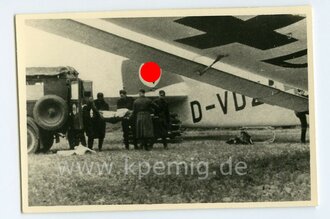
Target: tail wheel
x,y
50,112
175,127
32,136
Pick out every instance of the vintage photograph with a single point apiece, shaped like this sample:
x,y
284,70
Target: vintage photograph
x,y
169,109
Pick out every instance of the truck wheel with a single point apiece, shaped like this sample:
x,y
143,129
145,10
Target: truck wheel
x,y
50,112
32,136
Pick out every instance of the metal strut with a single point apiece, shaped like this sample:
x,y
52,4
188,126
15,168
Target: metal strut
x,y
218,58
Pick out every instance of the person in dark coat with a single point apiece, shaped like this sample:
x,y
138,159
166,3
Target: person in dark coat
x,y
88,110
75,133
76,137
126,102
162,118
142,109
302,116
99,123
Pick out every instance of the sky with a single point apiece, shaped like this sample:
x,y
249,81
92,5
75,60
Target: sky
x,y
48,50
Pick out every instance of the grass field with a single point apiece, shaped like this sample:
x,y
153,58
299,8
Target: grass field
x,y
274,172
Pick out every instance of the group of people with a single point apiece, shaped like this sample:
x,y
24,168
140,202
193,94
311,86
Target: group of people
x,y
138,125
145,129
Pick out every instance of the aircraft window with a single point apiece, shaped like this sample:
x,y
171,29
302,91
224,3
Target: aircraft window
x,y
271,83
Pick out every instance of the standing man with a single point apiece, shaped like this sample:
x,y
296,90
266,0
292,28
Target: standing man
x,y
126,102
162,114
76,137
99,123
142,109
88,110
75,133
302,116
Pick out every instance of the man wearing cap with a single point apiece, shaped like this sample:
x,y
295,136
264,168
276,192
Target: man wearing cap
x,y
126,102
162,117
88,110
99,123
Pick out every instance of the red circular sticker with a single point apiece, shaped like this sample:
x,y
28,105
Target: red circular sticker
x,y
150,71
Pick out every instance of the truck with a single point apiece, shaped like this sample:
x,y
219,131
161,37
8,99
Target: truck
x,y
54,98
